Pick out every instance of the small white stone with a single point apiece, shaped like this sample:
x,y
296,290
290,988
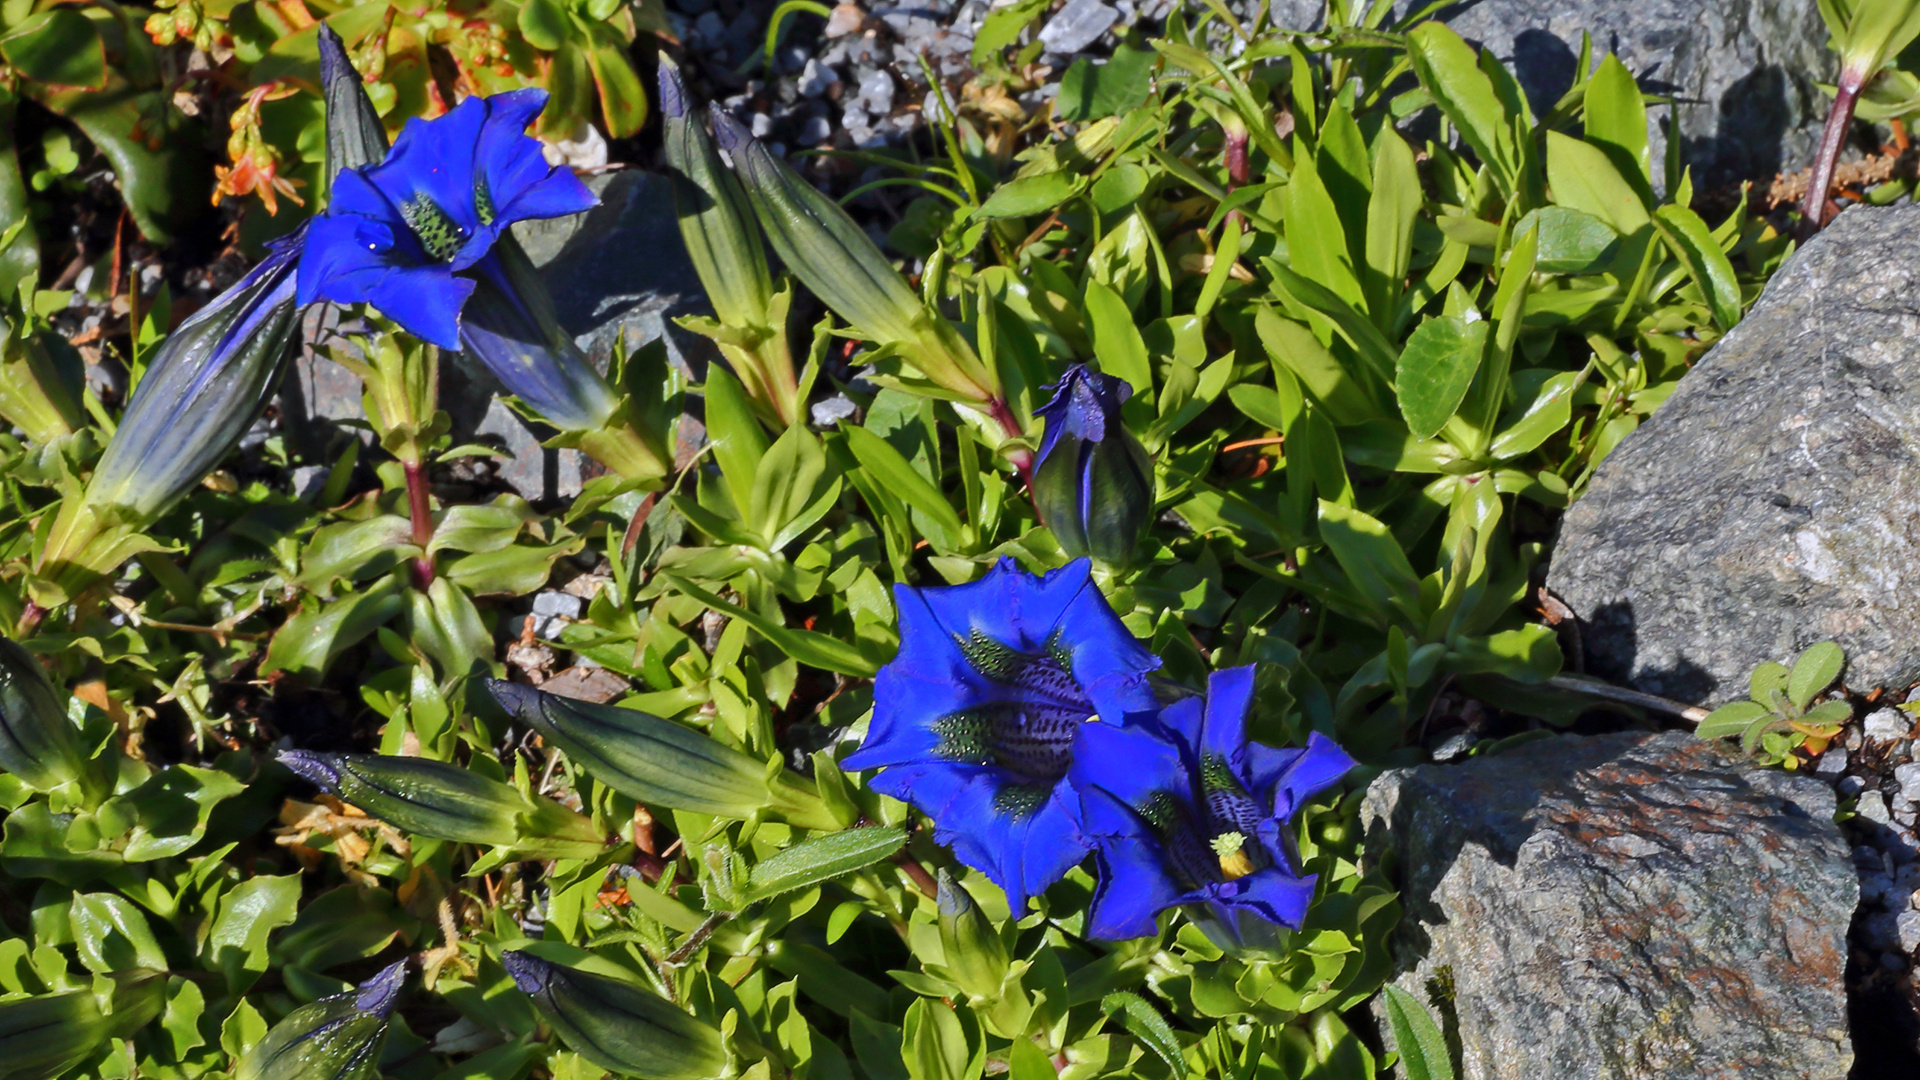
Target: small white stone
x,y
1873,808
1907,926
1832,763
1908,777
1887,725
1850,785
817,79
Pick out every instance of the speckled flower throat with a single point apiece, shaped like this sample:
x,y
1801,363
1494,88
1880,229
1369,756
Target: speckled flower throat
x,y
1031,733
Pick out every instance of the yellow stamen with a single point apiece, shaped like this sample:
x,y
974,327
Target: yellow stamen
x,y
1235,862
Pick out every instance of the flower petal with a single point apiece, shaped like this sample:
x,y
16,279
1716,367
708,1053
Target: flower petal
x,y
1131,764
1274,894
1311,771
1134,887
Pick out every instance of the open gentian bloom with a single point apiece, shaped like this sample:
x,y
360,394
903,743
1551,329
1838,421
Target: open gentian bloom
x,y
396,235
980,717
1188,811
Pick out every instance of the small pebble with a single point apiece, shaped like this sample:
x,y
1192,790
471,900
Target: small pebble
x,y
761,125
817,79
833,410
1831,763
815,131
554,602
1908,777
1907,926
1455,747
1886,725
1874,808
1077,25
308,481
1850,785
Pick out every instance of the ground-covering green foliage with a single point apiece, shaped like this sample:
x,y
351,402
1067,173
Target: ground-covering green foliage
x,y
1378,319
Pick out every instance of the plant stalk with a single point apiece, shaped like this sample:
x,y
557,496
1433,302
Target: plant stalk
x,y
1692,714
1813,209
420,512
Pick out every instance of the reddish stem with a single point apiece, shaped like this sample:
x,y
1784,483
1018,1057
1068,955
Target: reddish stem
x,y
1021,457
1813,211
421,513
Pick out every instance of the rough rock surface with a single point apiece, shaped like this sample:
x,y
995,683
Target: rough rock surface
x,y
1620,907
1742,70
617,270
1771,502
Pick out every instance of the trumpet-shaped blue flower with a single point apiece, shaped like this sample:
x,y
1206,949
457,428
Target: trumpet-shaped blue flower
x,y
980,718
1187,810
396,235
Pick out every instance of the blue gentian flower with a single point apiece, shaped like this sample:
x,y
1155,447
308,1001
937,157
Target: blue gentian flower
x,y
1093,485
1186,810
980,717
398,234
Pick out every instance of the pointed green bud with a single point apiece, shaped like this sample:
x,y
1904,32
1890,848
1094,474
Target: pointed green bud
x,y
442,800
38,743
716,218
335,1038
45,1035
201,391
660,763
355,135
835,259
976,956
617,1025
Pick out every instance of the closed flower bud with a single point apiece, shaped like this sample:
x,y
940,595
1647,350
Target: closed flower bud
x,y
38,743
201,391
660,763
336,1038
835,259
444,801
716,219
355,136
1093,485
617,1025
45,1035
976,957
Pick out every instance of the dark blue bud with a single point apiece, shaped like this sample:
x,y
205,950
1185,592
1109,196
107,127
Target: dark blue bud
x,y
1093,484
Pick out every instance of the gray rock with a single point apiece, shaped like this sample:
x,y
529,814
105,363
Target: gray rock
x,y
1774,500
817,79
1906,927
1743,70
830,411
1077,25
1886,725
1831,763
1623,906
308,481
1873,807
1908,777
876,93
552,602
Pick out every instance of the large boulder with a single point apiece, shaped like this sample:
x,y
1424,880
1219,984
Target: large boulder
x,y
1621,907
1774,500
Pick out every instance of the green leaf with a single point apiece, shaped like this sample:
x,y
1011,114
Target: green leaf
x,y
1768,680
1416,1038
1584,177
789,495
1371,557
1145,1023
480,527
249,912
515,571
1814,671
1030,195
1571,241
544,24
899,477
357,551
738,441
59,47
807,646
158,162
819,859
1375,350
1447,67
1546,415
1693,242
935,1044
1392,209
169,811
623,100
1116,338
1731,719
1002,27
1091,91
1616,120
110,934
1316,241
309,640
1435,370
